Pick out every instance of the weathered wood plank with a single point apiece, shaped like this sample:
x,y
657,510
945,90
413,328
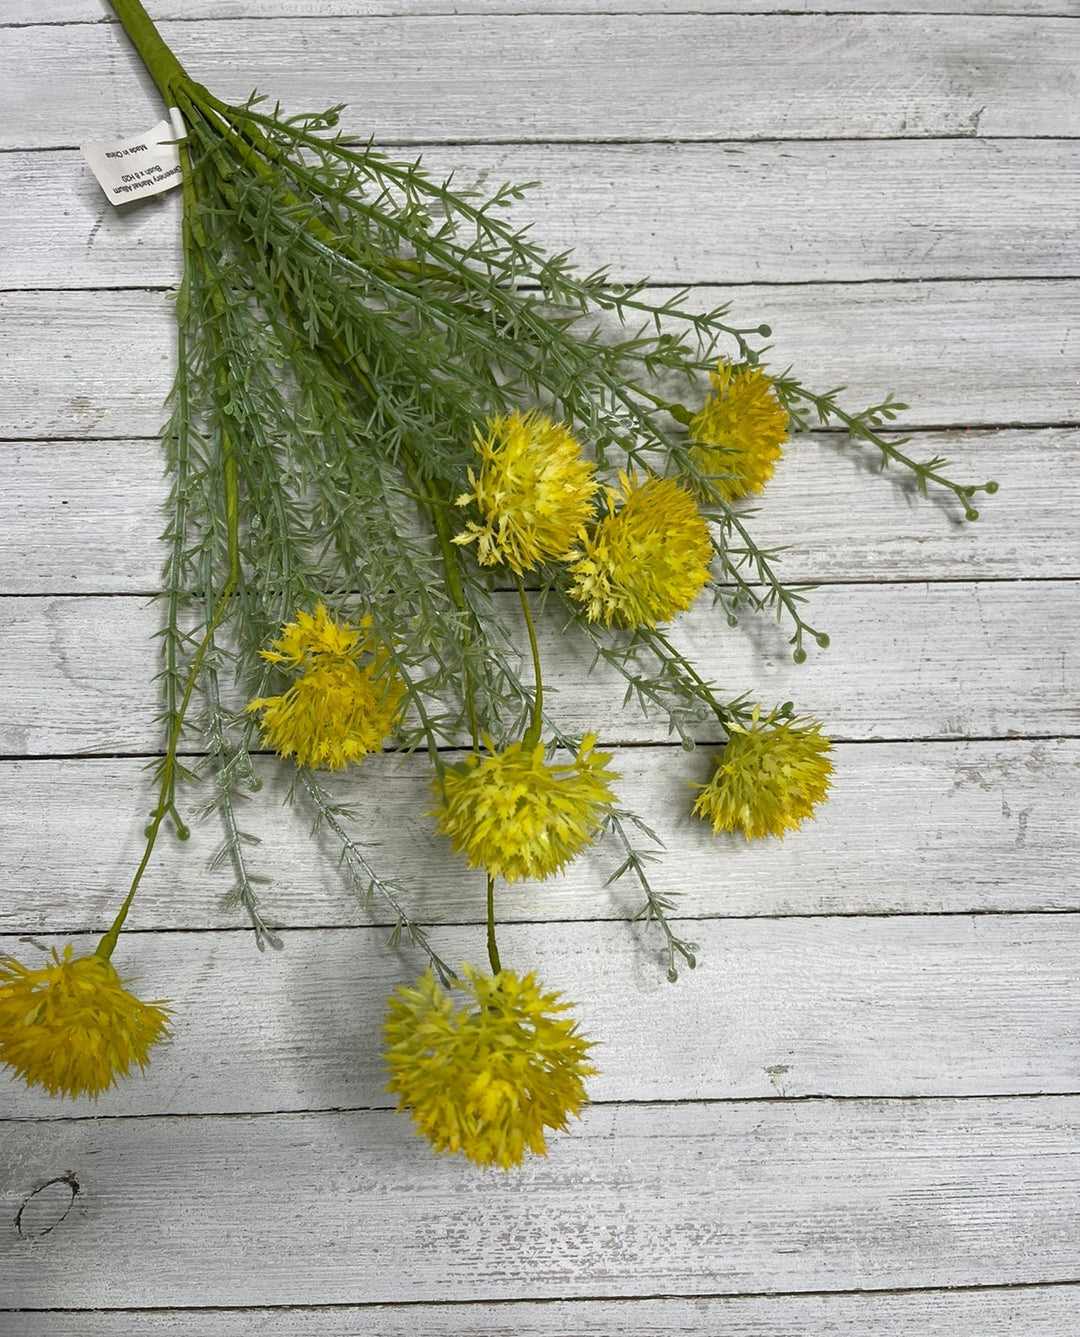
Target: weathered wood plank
x,y
908,661
86,517
94,11
874,1007
591,76
78,364
1035,1311
640,1200
909,828
679,213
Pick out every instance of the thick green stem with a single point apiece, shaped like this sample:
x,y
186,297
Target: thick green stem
x,y
492,945
536,722
165,70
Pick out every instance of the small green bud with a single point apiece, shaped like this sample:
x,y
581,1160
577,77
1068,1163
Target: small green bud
x,y
673,976
990,488
799,655
765,331
971,513
822,639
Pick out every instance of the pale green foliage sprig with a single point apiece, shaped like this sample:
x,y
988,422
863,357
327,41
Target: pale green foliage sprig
x,y
866,426
363,878
657,904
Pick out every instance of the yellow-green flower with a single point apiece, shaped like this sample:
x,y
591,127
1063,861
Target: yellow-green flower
x,y
71,1026
739,431
768,778
534,491
646,560
336,712
518,815
485,1078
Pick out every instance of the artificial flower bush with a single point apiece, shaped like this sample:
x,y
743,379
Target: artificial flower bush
x,y
396,426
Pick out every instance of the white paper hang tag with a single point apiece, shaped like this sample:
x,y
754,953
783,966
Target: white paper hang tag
x,y
128,169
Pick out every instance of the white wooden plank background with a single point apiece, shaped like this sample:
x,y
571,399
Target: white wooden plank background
x,y
1036,1311
733,213
91,11
582,76
861,1113
817,1195
82,516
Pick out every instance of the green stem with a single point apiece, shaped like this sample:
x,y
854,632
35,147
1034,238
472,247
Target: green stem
x,y
165,70
492,945
536,721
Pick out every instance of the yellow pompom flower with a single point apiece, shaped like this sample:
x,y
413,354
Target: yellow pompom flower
x,y
768,778
485,1078
336,712
518,815
747,425
534,491
646,560
71,1026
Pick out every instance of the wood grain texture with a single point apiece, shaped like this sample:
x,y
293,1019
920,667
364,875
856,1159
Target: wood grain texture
x,y
587,77
868,1007
1035,1311
86,516
909,661
909,827
679,213
698,1199
95,11
83,365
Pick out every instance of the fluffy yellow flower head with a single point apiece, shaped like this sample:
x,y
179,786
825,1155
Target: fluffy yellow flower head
x,y
534,491
747,423
488,1077
336,711
518,815
71,1026
768,778
645,561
